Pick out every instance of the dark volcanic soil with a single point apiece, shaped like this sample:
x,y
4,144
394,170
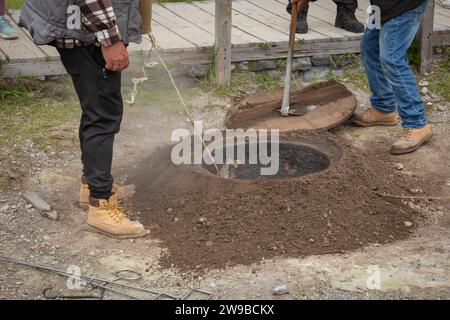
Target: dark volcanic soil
x,y
208,222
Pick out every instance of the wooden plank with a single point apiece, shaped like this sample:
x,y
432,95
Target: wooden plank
x,y
441,38
182,27
50,51
442,11
271,20
426,39
315,24
223,28
168,40
22,49
200,55
206,21
247,24
442,20
30,69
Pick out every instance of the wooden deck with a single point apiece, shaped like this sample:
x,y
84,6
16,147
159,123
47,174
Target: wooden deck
x,y
185,32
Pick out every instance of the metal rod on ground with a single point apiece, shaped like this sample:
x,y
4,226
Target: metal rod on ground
x,y
90,280
385,195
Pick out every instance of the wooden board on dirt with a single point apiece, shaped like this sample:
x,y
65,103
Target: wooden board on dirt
x,y
322,105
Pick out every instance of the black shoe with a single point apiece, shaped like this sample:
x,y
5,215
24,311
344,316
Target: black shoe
x,y
302,22
346,19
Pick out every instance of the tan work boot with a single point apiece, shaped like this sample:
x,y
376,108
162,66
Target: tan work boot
x,y
373,117
411,140
108,217
122,192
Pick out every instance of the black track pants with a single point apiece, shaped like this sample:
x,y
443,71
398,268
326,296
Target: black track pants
x,y
99,92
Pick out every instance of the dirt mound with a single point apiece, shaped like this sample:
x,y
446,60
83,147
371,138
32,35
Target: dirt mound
x,y
208,222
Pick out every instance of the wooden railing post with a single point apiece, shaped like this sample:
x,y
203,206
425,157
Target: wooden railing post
x,y
223,41
425,37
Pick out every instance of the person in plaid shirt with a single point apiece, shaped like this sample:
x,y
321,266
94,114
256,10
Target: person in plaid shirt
x,y
94,55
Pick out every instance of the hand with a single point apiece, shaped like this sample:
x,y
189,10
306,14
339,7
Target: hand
x,y
116,57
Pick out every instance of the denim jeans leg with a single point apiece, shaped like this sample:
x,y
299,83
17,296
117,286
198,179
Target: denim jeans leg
x,y
396,37
382,95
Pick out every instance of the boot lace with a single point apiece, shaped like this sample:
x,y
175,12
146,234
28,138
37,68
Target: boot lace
x,y
407,133
117,212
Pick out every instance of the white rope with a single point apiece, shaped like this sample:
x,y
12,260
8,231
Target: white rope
x,y
138,81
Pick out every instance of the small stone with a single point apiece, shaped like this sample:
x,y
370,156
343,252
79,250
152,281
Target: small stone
x,y
398,166
263,65
415,191
407,224
301,64
199,71
440,208
176,219
209,243
405,291
429,104
316,73
5,208
311,240
53,215
424,90
243,66
442,108
424,83
280,290
202,220
345,60
169,210
321,60
92,253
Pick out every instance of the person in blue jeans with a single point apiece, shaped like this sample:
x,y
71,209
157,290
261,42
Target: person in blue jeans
x,y
394,88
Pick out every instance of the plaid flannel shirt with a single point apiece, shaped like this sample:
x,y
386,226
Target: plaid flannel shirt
x,y
97,17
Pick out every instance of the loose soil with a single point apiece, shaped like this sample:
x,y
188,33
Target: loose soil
x,y
205,221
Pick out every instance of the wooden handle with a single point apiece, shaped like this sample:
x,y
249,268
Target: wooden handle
x,y
145,10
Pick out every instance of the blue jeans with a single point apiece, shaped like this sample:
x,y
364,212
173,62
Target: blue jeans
x,y
391,79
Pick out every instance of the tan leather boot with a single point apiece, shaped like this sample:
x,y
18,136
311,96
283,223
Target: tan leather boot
x,y
108,217
411,140
122,192
373,117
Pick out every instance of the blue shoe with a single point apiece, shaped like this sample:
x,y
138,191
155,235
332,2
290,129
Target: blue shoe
x,y
6,30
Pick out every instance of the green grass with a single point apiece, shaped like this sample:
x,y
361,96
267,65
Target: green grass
x,y
440,79
14,4
31,110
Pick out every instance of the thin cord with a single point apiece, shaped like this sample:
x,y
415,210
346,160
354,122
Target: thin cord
x,y
137,81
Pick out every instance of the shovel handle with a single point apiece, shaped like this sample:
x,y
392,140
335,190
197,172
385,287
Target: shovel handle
x,y
297,6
